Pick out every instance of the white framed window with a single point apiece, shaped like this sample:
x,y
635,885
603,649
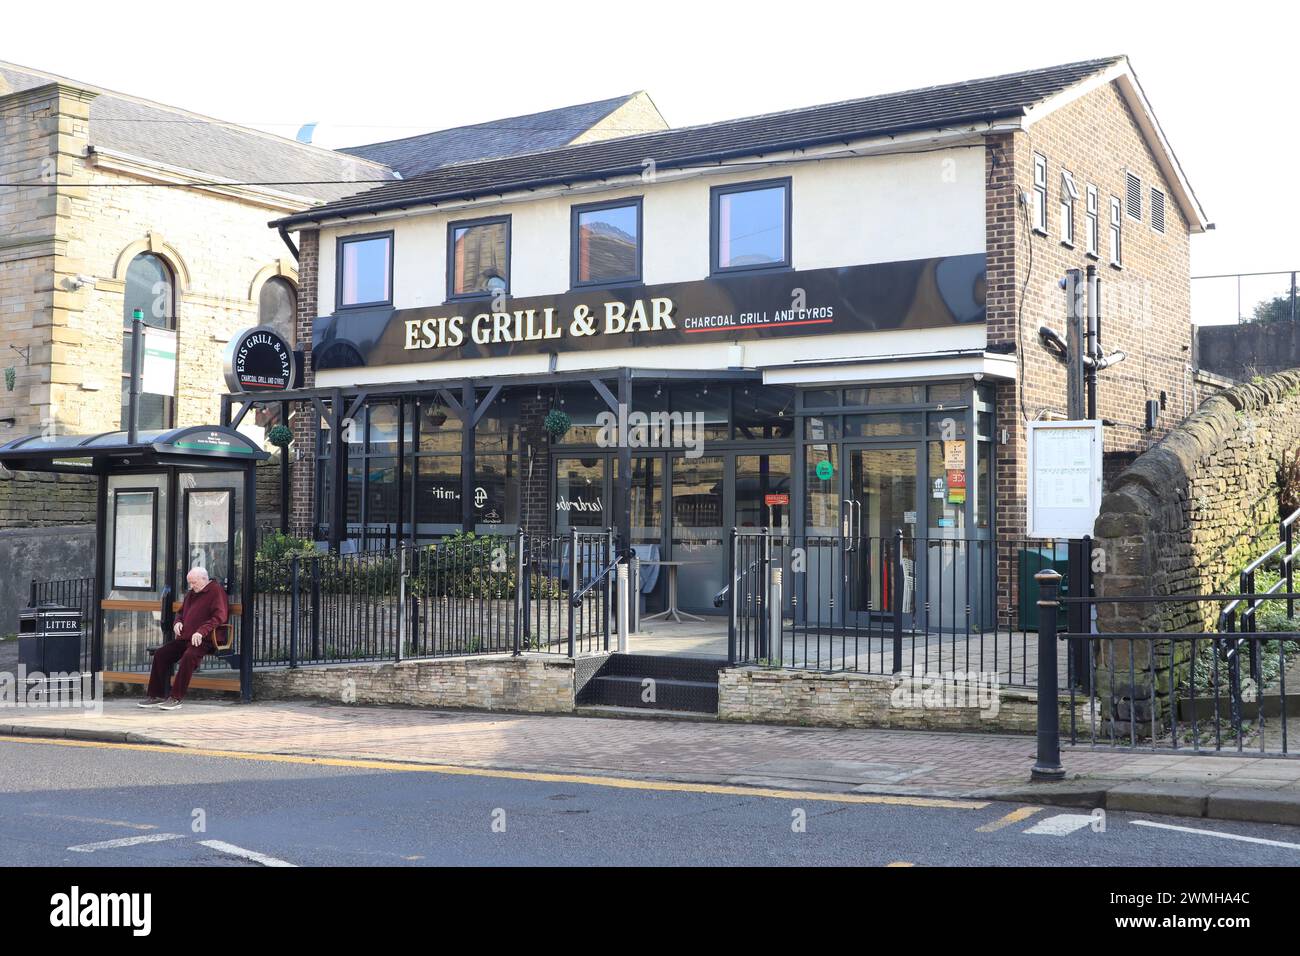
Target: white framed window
x,y
1091,222
1157,210
1116,232
1133,195
1040,193
1069,194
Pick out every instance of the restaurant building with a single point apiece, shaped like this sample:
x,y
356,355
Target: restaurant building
x,y
817,321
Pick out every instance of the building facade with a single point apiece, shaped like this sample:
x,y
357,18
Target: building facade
x,y
820,322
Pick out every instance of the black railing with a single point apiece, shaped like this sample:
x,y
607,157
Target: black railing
x,y
1176,690
71,592
887,605
490,594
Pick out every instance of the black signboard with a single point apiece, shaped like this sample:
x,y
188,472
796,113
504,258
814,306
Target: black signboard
x,y
914,294
259,360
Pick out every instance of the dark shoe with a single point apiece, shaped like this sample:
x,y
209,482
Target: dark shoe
x,y
171,703
150,702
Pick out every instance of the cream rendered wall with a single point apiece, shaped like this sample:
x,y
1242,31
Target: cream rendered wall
x,y
847,211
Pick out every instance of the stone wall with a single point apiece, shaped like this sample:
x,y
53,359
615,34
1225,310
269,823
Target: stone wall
x,y
50,554
1245,350
34,500
530,683
805,698
1184,518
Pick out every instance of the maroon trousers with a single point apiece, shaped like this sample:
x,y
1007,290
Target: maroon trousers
x,y
176,650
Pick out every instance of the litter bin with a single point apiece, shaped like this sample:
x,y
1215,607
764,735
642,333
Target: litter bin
x,y
49,639
1031,561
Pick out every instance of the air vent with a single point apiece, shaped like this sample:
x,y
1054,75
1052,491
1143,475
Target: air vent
x,y
1157,210
1133,195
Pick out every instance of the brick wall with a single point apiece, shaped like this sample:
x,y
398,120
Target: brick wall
x,y
540,684
535,489
1145,304
305,420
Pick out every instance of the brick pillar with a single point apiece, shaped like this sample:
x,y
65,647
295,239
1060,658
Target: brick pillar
x,y
302,491
535,444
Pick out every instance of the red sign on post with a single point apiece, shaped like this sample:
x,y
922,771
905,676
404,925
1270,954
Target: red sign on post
x,y
773,500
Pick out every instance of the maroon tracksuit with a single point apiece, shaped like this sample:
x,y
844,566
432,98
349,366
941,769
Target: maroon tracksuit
x,y
201,613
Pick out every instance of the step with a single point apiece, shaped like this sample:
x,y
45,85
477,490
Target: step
x,y
625,690
664,667
641,713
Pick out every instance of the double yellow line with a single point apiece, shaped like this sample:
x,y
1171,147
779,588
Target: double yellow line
x,y
618,783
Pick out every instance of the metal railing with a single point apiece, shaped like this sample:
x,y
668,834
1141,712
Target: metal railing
x,y
71,592
1169,690
1249,296
886,605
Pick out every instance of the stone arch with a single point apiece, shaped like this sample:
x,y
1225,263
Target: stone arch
x,y
280,268
153,242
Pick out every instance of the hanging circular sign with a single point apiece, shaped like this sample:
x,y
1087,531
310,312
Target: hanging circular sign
x,y
825,470
260,360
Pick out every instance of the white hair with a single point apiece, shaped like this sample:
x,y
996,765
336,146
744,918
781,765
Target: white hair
x,y
197,569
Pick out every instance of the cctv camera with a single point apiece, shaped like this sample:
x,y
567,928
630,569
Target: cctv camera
x,y
78,281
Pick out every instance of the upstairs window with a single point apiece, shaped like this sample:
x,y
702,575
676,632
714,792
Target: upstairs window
x,y
1116,236
1133,196
365,265
1157,210
150,288
606,243
478,257
1069,194
751,226
1040,193
1092,224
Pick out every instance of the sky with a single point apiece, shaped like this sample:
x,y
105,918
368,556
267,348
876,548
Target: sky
x,y
1222,84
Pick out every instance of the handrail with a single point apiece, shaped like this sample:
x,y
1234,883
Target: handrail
x,y
576,598
721,596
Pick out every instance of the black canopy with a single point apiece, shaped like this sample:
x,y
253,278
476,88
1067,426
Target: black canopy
x,y
196,446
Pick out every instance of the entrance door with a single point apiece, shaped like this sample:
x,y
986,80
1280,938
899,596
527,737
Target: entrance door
x,y
881,486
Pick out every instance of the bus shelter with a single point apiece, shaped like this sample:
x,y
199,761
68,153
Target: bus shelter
x,y
167,502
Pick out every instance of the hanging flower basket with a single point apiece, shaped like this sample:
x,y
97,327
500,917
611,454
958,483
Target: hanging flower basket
x,y
557,423
280,436
11,376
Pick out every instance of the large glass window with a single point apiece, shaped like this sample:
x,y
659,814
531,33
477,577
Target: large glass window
x,y
763,411
365,270
580,493
478,258
751,226
607,243
763,491
150,289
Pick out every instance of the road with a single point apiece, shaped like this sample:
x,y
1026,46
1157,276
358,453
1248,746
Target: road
x,y
66,804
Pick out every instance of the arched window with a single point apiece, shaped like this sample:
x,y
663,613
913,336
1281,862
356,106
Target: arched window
x,y
151,289
277,306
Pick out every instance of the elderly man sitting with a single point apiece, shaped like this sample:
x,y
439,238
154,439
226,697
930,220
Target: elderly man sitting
x,y
203,611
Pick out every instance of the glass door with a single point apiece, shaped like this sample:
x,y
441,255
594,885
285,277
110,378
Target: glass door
x,y
881,485
698,540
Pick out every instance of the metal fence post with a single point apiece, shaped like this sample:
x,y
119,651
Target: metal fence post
x,y
623,601
609,585
401,602
731,594
1048,765
896,600
520,584
315,608
774,605
573,583
294,610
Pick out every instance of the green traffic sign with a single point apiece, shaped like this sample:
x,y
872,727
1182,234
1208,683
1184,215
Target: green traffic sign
x,y
825,470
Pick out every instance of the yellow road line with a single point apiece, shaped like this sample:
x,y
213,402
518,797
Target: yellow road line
x,y
619,783
899,863
1015,816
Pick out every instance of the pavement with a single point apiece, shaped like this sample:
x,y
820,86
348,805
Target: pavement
x,y
846,761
